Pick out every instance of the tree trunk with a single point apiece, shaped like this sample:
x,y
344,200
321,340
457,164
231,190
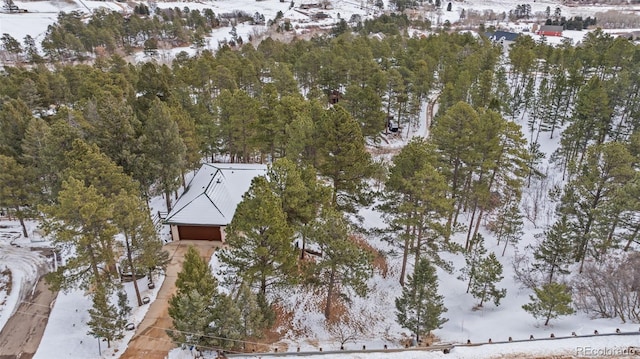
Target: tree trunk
x,y
133,269
475,231
167,197
470,278
327,308
553,267
21,219
632,238
548,317
484,294
418,242
263,286
94,265
467,243
506,242
405,254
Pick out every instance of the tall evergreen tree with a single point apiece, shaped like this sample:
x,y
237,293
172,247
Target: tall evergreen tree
x,y
191,308
133,220
17,189
107,321
343,157
301,194
454,135
589,200
259,240
81,229
420,307
164,151
555,252
114,129
14,119
344,265
415,203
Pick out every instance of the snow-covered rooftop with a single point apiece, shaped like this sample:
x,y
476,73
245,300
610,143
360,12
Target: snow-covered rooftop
x,y
214,193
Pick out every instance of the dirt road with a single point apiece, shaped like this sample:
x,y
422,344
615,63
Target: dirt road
x,y
20,337
151,341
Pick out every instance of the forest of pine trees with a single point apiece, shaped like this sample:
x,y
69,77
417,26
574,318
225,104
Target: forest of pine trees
x,y
83,148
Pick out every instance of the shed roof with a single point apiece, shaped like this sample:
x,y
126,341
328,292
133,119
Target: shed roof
x,y
555,28
506,35
213,194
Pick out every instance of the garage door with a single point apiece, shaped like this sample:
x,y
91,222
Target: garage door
x,y
199,232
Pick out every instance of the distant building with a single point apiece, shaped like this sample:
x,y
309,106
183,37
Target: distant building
x,y
502,37
633,35
550,30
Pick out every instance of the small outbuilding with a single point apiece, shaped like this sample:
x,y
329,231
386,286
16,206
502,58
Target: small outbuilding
x,y
550,30
209,202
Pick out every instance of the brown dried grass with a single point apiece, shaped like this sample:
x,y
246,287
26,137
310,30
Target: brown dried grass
x,y
379,259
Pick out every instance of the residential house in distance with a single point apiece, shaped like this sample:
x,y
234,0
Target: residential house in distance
x,y
504,38
209,202
550,30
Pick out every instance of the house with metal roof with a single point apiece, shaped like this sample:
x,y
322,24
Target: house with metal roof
x,y
209,202
504,38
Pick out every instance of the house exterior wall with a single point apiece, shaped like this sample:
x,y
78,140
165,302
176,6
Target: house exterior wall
x,y
206,233
550,33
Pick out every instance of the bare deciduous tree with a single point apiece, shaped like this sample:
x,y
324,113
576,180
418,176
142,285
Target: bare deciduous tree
x,y
610,289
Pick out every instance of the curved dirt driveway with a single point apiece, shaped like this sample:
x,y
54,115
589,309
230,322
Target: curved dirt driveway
x,y
20,337
22,333
151,341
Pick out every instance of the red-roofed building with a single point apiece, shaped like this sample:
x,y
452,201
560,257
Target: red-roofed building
x,y
550,30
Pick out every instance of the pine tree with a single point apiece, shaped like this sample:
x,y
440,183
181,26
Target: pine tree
x,y
192,313
420,307
506,221
300,192
14,119
134,222
415,202
551,301
554,254
164,151
81,227
237,114
259,240
454,134
195,275
227,326
473,258
114,129
107,321
17,189
191,308
589,199
344,265
251,314
487,274
343,157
